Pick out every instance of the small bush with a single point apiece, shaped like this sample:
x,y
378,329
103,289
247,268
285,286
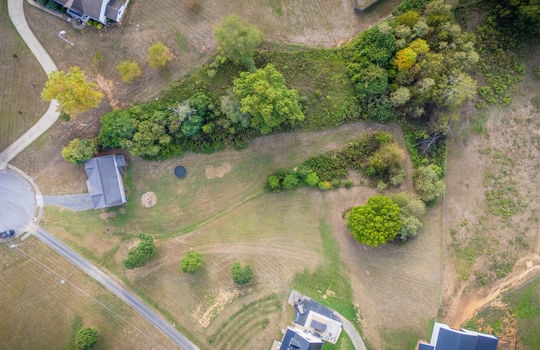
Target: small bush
x,y
191,263
381,186
141,254
241,275
290,182
273,183
86,338
324,185
348,183
336,183
312,179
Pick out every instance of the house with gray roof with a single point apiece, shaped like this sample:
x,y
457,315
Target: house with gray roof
x,y
445,338
295,339
98,10
105,183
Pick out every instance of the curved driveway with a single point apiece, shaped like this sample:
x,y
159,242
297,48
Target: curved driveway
x,y
16,14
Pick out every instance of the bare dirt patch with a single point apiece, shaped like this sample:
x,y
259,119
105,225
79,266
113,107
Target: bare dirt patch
x,y
506,159
218,171
223,298
107,215
148,200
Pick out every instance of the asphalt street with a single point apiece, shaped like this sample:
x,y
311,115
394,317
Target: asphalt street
x,y
17,201
115,288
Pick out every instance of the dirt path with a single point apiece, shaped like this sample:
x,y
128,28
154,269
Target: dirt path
x,y
465,308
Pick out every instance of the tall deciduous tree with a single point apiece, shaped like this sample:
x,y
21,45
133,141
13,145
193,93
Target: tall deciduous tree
x,y
86,338
74,94
191,263
376,222
265,96
159,55
238,41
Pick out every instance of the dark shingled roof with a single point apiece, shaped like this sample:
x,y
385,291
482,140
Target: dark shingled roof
x,y
311,305
295,340
105,181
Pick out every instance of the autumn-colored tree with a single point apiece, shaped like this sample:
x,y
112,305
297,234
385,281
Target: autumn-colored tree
x,y
129,71
159,55
405,59
375,223
419,46
74,94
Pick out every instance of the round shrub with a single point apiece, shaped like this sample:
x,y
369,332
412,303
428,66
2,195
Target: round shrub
x,y
86,338
273,183
241,274
191,263
290,182
324,185
336,183
348,183
312,179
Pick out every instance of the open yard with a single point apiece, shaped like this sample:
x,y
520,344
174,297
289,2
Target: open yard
x,y
21,81
41,311
222,211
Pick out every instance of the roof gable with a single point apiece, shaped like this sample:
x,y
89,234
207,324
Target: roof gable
x,y
104,182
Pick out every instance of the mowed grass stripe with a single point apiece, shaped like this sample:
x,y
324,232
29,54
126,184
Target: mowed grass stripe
x,y
239,340
269,302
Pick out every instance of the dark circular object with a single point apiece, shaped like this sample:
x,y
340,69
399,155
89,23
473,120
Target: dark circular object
x,y
180,172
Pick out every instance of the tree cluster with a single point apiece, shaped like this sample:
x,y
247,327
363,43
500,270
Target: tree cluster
x,y
141,254
259,102
376,155
414,67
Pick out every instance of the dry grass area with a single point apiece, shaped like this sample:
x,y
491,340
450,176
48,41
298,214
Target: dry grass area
x,y
189,35
21,81
493,241
38,311
228,218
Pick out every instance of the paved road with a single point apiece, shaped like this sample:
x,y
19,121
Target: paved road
x,y
16,14
75,202
116,289
17,201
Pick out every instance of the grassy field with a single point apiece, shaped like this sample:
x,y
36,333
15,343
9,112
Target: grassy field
x,y
292,239
38,311
21,80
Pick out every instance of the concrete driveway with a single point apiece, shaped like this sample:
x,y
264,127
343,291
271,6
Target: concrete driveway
x,y
17,201
75,202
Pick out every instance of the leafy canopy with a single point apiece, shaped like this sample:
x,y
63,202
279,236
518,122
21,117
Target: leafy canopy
x,y
159,55
238,41
129,71
241,274
78,151
376,222
74,94
191,263
265,96
86,338
141,254
428,182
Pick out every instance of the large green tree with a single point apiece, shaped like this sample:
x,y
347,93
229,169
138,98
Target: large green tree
x,y
241,275
429,183
78,151
141,254
74,94
265,96
86,338
191,263
238,41
375,223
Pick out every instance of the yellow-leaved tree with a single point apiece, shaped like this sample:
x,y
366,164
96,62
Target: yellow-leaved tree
x,y
74,94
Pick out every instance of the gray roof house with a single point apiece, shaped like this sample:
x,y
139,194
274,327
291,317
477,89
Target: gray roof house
x,y
98,10
105,184
295,339
446,338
